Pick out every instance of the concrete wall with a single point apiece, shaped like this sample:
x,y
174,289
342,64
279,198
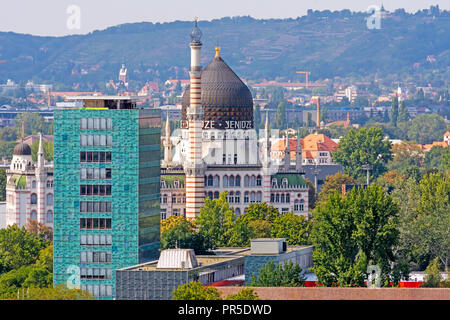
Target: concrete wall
x,y
284,293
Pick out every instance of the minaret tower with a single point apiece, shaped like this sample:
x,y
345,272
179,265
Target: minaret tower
x,y
194,167
298,153
267,169
287,153
167,143
41,181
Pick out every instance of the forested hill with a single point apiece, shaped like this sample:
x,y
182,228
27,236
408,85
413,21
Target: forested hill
x,y
326,43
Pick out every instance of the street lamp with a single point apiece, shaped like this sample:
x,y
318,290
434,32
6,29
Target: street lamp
x,y
367,167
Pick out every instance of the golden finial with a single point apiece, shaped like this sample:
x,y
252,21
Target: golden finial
x,y
217,52
195,19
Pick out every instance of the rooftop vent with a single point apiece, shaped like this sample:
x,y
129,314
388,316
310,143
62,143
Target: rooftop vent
x,y
177,259
269,246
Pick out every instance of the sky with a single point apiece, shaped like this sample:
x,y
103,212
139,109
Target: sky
x,y
64,17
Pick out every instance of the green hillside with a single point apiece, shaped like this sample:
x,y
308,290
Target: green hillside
x,y
326,43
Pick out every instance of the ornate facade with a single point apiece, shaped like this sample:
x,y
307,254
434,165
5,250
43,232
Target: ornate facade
x,y
217,148
29,188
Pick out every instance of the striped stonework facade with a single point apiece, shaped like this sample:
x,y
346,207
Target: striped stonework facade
x,y
195,189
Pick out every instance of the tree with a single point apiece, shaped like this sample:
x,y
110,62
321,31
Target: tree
x,y
39,230
33,124
2,184
394,112
215,221
403,112
435,158
280,117
351,232
294,228
427,128
432,275
195,291
179,232
361,147
243,294
406,154
334,183
58,293
278,275
18,248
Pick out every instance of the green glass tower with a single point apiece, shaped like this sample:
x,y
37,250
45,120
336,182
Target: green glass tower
x,y
106,180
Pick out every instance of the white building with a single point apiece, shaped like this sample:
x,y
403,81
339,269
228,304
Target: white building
x,y
29,188
217,149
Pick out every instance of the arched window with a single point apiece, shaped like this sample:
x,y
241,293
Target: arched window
x,y
296,205
237,211
180,198
246,181
274,183
288,198
302,205
258,181
164,198
33,215
174,198
284,183
238,181
272,197
252,197
49,199
231,181
277,198
210,181
210,195
253,181
225,181
176,183
163,183
216,181
49,217
49,184
237,198
259,196
230,197
216,195
33,184
282,198
246,197
33,198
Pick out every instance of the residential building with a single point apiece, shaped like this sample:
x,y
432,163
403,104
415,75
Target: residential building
x,y
107,168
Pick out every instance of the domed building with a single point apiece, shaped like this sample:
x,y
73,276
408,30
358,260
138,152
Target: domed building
x,y
29,187
217,148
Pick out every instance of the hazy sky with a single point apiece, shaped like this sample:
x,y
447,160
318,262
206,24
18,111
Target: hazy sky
x,y
50,17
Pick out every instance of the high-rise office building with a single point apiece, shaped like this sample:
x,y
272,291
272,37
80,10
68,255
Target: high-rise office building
x,y
106,181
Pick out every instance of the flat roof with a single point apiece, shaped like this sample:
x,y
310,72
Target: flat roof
x,y
203,261
100,98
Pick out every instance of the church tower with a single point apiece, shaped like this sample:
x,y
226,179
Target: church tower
x,y
167,143
194,167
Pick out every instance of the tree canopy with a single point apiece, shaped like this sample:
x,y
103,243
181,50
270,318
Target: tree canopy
x,y
361,147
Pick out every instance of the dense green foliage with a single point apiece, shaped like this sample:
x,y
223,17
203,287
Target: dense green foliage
x,y
218,226
426,128
195,291
278,275
352,232
18,248
243,294
361,147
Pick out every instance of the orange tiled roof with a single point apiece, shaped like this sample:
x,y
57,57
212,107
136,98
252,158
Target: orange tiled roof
x,y
311,143
435,144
